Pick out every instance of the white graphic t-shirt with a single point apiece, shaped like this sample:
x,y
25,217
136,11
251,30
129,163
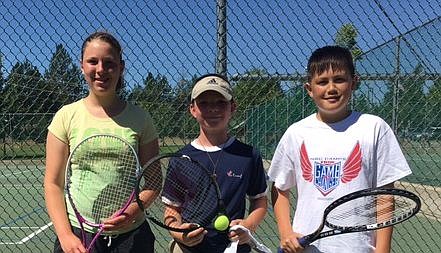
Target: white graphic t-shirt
x,y
327,161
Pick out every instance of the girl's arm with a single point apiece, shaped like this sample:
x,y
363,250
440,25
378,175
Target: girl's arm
x,y
57,153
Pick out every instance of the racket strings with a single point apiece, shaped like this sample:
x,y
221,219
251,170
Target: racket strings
x,y
369,210
104,175
187,189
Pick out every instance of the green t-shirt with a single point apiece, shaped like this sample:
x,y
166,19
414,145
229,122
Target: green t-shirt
x,y
73,123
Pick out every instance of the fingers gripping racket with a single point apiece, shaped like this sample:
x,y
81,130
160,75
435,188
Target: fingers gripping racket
x,y
254,243
100,181
365,210
188,193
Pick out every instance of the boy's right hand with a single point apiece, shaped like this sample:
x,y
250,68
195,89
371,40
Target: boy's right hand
x,y
290,243
190,238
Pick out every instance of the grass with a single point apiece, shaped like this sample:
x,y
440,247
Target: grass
x,y
170,149
31,150
24,149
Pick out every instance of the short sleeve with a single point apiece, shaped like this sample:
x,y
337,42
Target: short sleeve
x,y
58,125
391,163
149,131
258,178
281,171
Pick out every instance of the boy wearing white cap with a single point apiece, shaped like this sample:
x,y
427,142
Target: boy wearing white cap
x,y
238,168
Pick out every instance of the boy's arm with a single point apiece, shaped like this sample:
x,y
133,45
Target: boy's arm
x,y
384,240
384,236
172,217
281,205
257,212
280,201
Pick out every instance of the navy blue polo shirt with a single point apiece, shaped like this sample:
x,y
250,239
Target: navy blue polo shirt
x,y
239,173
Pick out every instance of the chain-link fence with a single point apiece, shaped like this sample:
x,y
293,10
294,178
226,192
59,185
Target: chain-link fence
x,y
262,46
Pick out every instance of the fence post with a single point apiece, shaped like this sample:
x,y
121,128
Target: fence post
x,y
396,88
221,59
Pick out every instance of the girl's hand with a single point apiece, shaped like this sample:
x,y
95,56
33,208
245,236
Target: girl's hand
x,y
124,220
72,244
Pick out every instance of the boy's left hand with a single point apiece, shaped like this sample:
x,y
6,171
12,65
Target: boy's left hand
x,y
238,235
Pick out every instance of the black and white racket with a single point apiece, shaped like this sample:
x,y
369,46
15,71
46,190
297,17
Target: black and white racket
x,y
189,193
365,210
100,181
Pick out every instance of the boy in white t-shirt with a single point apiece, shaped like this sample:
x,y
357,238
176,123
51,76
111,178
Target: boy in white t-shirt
x,y
329,154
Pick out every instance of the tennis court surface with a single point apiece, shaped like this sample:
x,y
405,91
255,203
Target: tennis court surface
x,y
25,225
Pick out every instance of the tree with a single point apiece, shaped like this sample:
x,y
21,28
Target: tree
x,y
385,109
152,90
156,96
185,126
257,90
433,104
410,104
255,94
24,90
347,37
23,96
361,102
183,90
63,79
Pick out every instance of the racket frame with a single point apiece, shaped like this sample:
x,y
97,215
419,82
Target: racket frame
x,y
336,230
81,219
212,177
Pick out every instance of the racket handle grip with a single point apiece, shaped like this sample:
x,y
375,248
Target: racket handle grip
x,y
304,241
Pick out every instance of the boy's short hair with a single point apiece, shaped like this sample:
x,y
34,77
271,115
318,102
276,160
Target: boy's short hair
x,y
324,58
214,82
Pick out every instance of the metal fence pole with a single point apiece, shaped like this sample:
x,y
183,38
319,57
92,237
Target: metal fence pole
x,y
396,87
221,59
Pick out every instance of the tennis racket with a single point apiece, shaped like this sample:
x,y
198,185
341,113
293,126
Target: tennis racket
x,y
365,210
188,193
100,181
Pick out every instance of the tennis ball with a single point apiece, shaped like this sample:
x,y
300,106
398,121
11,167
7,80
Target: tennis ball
x,y
221,223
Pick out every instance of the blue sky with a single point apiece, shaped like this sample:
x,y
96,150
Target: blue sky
x,y
178,38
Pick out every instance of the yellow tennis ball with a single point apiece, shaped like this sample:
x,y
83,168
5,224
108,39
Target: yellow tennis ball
x,y
221,223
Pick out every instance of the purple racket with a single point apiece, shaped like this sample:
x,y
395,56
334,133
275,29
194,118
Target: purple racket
x,y
101,175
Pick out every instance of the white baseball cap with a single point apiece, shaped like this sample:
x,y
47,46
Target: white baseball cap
x,y
212,82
